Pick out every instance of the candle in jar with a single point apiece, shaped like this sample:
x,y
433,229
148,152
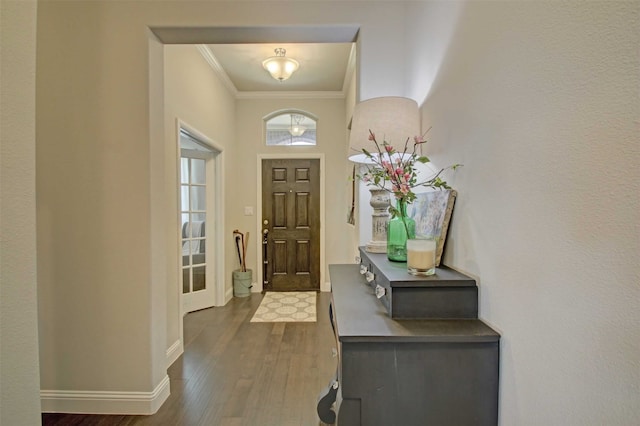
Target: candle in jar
x,y
421,255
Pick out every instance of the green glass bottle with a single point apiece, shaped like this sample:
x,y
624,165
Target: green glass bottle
x,y
399,229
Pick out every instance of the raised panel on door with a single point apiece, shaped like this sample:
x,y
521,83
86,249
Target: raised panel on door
x,y
303,257
279,259
279,210
302,210
291,207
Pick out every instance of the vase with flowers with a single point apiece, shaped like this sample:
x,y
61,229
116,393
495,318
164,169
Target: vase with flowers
x,y
395,171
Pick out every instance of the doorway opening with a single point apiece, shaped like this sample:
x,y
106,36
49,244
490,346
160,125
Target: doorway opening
x,y
159,37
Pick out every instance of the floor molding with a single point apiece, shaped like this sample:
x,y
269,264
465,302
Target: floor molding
x,y
105,402
174,352
228,295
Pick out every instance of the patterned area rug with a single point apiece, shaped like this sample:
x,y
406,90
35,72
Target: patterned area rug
x,y
290,306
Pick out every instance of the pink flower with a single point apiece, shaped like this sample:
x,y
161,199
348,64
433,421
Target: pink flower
x,y
388,168
397,169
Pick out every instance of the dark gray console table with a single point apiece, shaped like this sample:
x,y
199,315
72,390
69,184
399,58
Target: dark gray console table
x,y
407,372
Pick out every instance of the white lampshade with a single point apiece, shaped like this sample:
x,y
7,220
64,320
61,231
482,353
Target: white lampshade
x,y
391,118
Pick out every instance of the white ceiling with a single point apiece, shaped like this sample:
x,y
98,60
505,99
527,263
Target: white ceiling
x,y
324,67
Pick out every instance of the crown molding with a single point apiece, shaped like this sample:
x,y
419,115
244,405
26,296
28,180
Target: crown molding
x,y
290,95
215,65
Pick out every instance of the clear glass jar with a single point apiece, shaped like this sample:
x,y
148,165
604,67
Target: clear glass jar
x,y
421,256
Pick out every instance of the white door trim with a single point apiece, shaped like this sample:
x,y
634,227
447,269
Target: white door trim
x,y
259,287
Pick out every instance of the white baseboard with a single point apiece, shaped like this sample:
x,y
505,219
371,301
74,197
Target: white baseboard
x,y
102,402
325,286
174,352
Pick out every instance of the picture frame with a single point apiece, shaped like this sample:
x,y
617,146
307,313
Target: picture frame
x,y
432,213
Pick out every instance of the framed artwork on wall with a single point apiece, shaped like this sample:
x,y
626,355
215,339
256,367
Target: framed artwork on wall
x,y
432,213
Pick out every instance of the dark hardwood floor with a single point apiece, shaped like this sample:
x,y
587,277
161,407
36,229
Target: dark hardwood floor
x,y
234,372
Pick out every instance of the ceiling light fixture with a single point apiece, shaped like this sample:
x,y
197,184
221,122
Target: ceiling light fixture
x,y
296,129
279,66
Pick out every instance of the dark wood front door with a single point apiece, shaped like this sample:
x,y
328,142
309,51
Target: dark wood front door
x,y
291,215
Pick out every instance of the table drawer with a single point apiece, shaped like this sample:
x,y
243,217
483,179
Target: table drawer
x,y
446,295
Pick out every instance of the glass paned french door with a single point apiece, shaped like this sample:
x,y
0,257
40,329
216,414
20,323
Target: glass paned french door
x,y
193,202
201,282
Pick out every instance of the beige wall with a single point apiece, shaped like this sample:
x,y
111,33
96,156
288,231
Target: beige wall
x,y
19,377
193,94
94,199
540,102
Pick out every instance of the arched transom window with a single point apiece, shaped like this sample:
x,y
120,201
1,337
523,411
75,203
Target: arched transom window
x,y
290,127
